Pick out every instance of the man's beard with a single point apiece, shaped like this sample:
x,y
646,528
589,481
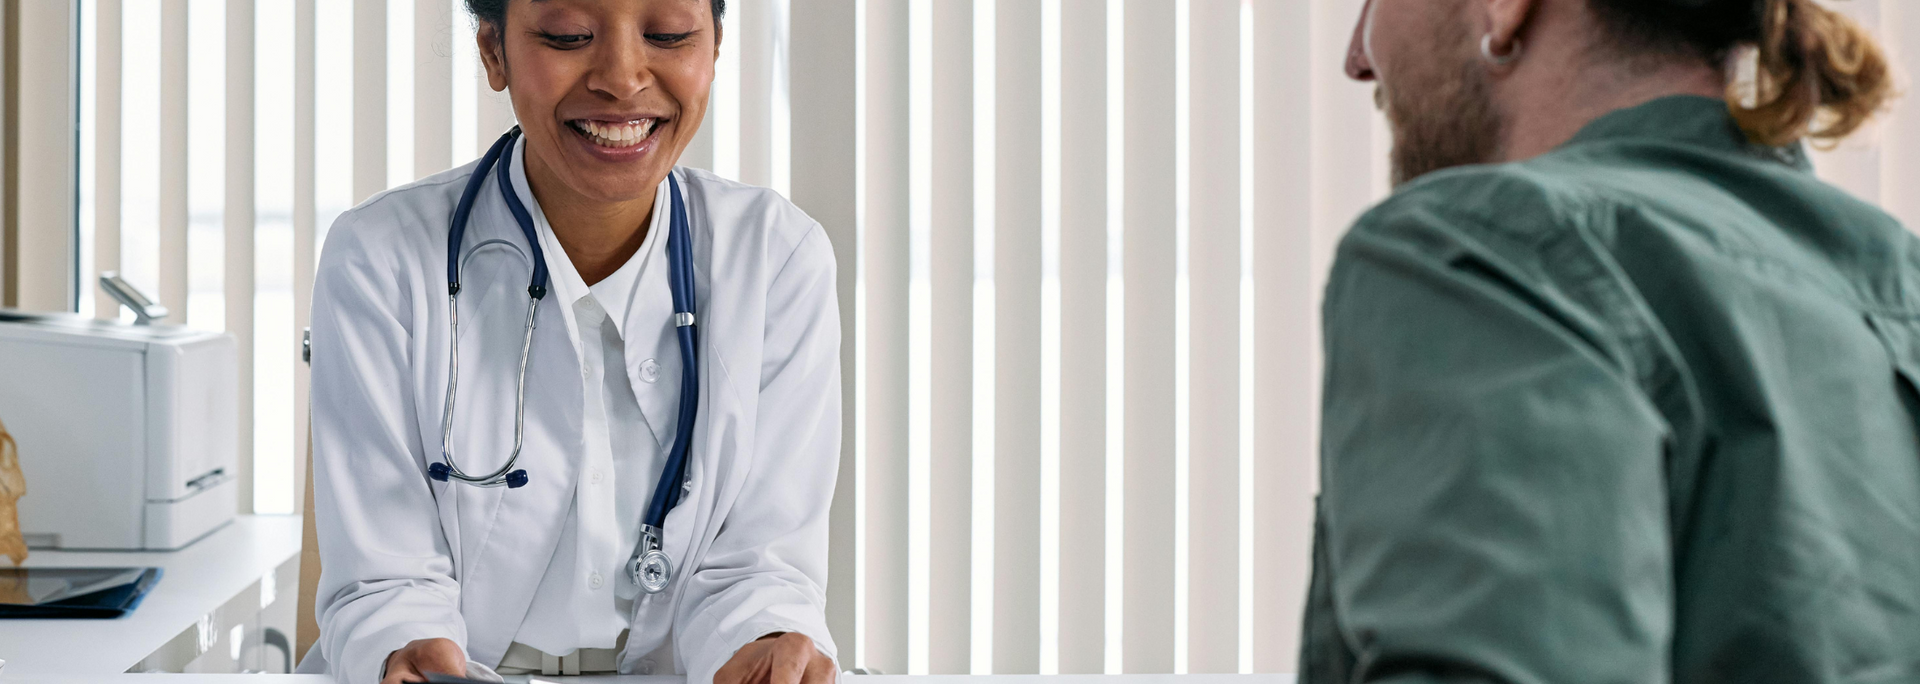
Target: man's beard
x,y
1441,119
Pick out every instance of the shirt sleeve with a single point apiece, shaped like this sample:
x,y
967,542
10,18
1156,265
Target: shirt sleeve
x,y
386,575
766,571
1493,504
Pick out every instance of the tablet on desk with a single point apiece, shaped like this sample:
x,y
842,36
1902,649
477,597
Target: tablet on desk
x,y
73,592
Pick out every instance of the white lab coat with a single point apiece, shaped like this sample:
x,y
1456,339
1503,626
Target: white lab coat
x,y
406,558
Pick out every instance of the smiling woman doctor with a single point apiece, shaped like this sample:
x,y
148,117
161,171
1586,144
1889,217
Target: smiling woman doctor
x,y
575,409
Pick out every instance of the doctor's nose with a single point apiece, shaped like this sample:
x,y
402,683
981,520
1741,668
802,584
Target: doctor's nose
x,y
621,71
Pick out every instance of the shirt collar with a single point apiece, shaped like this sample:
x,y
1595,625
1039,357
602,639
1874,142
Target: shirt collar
x,y
614,293
1687,120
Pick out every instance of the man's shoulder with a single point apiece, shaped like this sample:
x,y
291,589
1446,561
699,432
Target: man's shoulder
x,y
1498,203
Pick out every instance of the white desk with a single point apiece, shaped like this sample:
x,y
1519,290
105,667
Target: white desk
x,y
252,566
636,679
232,578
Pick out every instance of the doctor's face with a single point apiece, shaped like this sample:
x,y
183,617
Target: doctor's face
x,y
608,92
1424,58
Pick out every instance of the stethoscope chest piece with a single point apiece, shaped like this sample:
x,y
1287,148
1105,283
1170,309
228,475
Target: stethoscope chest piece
x,y
651,570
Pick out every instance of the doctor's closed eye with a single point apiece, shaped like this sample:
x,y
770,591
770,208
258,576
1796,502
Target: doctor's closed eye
x,y
570,41
564,41
671,39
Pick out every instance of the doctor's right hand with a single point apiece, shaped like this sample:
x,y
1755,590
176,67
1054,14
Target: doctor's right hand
x,y
412,662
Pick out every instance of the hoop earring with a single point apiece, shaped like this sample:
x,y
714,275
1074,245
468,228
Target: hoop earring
x,y
1486,51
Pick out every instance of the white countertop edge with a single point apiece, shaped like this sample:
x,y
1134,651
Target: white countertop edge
x,y
195,581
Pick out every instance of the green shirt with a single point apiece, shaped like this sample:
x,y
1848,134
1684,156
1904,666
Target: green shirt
x,y
1642,409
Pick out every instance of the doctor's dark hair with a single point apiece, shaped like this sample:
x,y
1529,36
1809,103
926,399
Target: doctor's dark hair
x,y
494,12
1819,75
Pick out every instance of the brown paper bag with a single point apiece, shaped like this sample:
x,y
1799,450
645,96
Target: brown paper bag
x,y
13,485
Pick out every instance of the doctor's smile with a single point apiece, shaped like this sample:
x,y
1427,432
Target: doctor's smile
x,y
617,134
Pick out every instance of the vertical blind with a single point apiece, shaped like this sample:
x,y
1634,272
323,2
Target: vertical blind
x,y
1081,245
1085,239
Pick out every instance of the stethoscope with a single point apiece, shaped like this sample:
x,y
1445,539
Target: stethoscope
x,y
650,567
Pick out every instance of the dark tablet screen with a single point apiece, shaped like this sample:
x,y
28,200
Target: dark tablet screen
x,y
72,592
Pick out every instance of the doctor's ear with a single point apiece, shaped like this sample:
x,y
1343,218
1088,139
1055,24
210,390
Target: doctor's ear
x,y
493,55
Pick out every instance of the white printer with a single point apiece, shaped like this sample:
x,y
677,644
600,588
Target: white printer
x,y
127,433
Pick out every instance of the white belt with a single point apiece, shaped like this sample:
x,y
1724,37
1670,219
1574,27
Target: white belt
x,y
524,659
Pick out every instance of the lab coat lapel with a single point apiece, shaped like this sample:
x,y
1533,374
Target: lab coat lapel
x,y
517,542
648,332
520,544
694,514
492,309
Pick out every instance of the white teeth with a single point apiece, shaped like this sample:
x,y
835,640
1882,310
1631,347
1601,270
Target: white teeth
x,y
617,135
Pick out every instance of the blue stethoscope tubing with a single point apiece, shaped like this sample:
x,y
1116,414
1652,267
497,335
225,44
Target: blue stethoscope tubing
x,y
649,565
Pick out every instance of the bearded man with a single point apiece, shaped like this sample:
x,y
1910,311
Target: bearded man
x,y
1616,389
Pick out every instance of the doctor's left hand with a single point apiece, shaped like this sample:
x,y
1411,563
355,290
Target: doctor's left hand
x,y
782,658
412,662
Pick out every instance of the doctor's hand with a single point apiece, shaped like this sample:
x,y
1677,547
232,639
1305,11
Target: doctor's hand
x,y
780,658
412,662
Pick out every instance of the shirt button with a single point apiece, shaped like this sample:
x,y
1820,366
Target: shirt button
x,y
646,666
649,371
586,373
596,476
593,581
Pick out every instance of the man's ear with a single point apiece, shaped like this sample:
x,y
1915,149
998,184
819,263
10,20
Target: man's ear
x,y
1506,20
493,55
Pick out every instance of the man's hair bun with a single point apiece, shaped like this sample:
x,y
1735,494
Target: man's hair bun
x,y
1819,74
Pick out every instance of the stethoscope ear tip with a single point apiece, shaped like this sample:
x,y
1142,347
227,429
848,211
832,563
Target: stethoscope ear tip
x,y
516,479
438,472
